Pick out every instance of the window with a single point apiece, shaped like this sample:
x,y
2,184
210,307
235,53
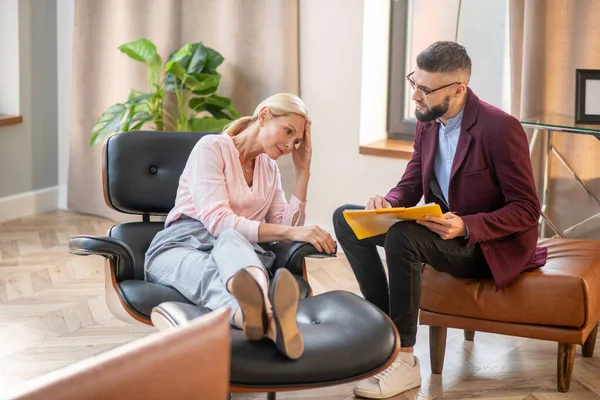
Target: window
x,y
9,53
480,26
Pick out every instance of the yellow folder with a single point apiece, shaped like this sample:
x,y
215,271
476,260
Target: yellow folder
x,y
368,223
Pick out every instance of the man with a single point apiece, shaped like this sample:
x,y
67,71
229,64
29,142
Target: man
x,y
472,159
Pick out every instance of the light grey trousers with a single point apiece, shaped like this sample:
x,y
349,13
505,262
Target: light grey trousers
x,y
186,257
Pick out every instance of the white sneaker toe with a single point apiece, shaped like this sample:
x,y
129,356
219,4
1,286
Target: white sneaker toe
x,y
397,378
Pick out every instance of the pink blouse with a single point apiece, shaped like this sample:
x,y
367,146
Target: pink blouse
x,y
212,189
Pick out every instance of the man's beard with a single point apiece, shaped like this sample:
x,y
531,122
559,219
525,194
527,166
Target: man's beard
x,y
435,112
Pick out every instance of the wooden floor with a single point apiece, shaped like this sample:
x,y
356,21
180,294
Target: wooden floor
x,y
52,313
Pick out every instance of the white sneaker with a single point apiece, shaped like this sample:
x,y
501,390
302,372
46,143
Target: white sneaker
x,y
395,379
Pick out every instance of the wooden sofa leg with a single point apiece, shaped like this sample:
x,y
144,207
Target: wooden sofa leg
x,y
437,348
566,359
587,350
469,335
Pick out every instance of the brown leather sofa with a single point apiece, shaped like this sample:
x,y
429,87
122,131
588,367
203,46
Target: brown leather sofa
x,y
559,302
189,362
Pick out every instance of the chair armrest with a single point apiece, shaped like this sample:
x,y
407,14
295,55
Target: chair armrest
x,y
289,254
110,248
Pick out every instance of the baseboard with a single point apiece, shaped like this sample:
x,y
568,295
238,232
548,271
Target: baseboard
x,y
29,203
62,197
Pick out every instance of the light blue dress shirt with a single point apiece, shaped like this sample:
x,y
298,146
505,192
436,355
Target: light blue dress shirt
x,y
444,156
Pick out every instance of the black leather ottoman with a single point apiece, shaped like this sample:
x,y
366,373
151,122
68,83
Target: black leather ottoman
x,y
346,339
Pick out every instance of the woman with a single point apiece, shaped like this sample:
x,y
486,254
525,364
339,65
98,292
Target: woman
x,y
229,199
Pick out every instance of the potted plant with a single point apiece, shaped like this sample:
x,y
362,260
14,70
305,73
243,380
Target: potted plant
x,y
190,74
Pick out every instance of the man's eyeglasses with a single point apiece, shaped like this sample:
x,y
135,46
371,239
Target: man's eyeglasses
x,y
425,90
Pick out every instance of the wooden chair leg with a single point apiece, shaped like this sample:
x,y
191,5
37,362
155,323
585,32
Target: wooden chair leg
x,y
469,335
437,348
587,350
566,359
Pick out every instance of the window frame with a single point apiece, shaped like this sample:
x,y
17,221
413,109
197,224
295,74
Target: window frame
x,y
398,127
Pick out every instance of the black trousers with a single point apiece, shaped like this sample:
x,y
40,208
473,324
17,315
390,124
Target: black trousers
x,y
407,246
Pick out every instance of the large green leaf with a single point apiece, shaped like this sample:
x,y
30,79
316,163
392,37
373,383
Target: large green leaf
x,y
141,50
142,116
182,54
154,68
107,123
217,112
145,51
212,103
202,82
198,104
213,60
204,92
176,63
138,104
175,69
224,103
139,119
136,97
208,124
218,101
198,60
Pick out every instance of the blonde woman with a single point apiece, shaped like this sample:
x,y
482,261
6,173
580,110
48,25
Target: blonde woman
x,y
229,199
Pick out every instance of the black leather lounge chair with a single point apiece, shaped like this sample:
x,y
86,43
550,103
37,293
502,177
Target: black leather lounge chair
x,y
346,338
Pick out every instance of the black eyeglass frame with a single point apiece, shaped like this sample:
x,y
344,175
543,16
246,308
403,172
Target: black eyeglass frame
x,y
426,91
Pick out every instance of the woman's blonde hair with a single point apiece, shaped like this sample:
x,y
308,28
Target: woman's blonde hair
x,y
279,104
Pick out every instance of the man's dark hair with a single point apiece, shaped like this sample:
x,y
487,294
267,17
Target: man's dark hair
x,y
444,56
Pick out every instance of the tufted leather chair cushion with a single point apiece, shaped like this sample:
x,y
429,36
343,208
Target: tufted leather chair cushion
x,y
142,169
345,338
143,296
138,236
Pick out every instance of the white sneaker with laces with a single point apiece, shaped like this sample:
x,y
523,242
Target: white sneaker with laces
x,y
399,377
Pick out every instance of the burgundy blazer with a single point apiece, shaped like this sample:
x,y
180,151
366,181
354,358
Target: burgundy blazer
x,y
491,187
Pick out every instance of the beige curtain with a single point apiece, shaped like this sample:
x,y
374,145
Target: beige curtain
x,y
257,38
550,39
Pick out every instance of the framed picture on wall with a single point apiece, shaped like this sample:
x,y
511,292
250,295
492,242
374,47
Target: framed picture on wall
x,y
587,96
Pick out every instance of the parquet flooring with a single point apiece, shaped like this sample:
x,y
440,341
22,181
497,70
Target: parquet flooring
x,y
52,313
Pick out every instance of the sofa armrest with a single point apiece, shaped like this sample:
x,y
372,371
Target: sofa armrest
x,y
289,254
110,248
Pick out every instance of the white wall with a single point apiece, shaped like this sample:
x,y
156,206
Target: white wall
x,y
9,49
65,14
331,39
375,66
483,30
28,151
